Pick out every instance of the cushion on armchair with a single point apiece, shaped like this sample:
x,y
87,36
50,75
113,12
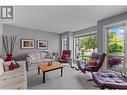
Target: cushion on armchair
x,y
91,63
65,57
95,55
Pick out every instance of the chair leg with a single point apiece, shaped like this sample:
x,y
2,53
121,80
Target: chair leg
x,y
27,67
89,79
75,68
95,86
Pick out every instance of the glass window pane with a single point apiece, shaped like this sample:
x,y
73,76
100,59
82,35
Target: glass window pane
x,y
115,47
85,45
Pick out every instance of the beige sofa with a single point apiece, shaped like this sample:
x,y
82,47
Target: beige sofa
x,y
35,58
14,79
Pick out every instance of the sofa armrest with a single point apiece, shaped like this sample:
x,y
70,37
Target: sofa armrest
x,y
28,60
13,76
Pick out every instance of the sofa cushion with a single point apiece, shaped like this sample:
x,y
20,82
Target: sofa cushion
x,y
1,66
42,55
37,61
37,55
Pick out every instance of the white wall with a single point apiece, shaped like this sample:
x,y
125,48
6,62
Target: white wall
x,y
85,31
25,33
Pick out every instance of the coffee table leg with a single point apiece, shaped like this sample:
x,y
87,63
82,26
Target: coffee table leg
x,y
43,77
38,70
61,71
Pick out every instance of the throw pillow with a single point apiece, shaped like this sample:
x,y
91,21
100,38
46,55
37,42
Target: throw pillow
x,y
1,66
12,66
7,64
17,65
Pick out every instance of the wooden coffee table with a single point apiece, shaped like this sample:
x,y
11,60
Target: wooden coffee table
x,y
44,67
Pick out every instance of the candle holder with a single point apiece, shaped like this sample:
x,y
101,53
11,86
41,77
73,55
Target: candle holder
x,y
49,63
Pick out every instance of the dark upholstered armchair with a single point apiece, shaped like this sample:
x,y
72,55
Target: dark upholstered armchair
x,y
94,64
65,57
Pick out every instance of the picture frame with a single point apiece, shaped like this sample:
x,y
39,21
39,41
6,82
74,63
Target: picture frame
x,y
42,44
27,44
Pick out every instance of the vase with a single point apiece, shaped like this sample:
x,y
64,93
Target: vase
x,y
9,57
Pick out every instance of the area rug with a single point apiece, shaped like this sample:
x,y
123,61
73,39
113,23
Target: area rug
x,y
72,79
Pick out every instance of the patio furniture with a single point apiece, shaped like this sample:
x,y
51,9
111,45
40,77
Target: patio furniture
x,y
65,58
94,64
114,61
109,80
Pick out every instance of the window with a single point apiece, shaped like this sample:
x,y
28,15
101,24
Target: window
x,y
115,47
64,43
84,46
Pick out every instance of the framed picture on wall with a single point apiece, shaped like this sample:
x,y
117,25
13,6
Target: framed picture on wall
x,y
42,44
27,44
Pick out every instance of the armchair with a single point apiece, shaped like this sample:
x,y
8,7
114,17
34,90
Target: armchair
x,y
65,58
94,64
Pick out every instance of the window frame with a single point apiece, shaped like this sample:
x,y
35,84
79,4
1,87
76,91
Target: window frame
x,y
105,45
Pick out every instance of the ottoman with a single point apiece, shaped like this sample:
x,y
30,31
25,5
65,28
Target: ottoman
x,y
109,80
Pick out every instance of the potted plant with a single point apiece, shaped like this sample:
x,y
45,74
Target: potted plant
x,y
55,55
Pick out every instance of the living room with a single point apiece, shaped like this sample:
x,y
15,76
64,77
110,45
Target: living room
x,y
49,31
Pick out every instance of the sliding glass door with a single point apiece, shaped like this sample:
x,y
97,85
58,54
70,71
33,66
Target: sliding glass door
x,y
84,46
115,47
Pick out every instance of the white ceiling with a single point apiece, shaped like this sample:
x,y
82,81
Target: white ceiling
x,y
59,19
